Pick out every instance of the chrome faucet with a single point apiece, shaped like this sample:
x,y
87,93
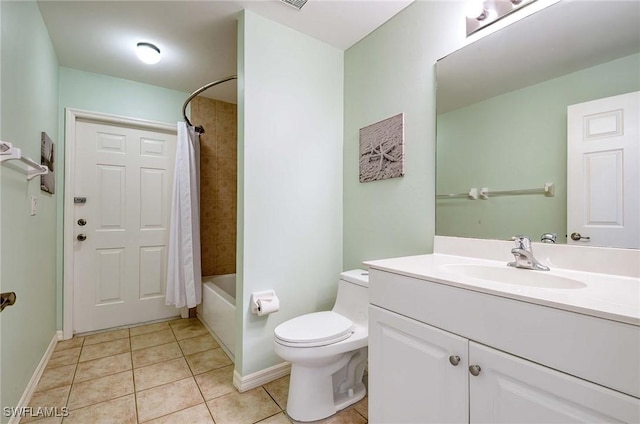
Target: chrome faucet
x,y
524,255
549,238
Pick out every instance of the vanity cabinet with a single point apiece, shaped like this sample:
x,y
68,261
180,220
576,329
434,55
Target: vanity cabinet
x,y
423,350
412,376
509,389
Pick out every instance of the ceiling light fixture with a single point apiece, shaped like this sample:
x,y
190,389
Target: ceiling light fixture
x,y
148,53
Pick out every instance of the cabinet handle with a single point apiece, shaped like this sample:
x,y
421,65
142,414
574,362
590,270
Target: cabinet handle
x,y
454,360
474,370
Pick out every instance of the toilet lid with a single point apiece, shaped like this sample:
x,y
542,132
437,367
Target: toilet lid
x,y
317,329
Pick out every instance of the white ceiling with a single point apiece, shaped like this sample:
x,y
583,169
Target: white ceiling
x,y
197,38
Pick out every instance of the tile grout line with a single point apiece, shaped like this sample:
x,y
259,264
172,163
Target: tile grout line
x,y
193,374
183,356
197,385
133,377
75,372
132,370
277,404
272,398
66,403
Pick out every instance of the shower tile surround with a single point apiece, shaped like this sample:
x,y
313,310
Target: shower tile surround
x,y
218,187
169,372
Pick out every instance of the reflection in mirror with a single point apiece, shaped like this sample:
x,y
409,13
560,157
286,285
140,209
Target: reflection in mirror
x,y
481,13
502,113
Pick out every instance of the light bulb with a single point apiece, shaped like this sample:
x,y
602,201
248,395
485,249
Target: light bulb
x,y
474,9
148,53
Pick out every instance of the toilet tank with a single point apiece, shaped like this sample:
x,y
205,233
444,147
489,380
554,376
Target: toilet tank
x,y
352,300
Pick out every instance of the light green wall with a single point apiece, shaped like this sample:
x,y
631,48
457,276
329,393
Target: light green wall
x,y
29,97
115,96
513,141
290,188
35,93
389,72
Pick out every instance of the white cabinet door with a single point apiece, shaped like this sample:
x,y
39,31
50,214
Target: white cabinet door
x,y
512,390
412,378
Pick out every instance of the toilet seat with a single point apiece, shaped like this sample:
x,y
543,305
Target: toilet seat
x,y
316,329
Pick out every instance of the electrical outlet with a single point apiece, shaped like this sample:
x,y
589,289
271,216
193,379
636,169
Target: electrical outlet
x,y
34,205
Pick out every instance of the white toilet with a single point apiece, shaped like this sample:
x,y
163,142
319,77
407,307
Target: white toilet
x,y
328,352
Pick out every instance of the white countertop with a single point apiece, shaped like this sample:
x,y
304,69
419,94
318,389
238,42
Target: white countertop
x,y
605,296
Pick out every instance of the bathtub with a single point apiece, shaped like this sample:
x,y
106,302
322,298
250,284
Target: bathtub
x,y
218,310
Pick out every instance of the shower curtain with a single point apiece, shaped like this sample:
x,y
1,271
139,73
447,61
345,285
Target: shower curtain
x,y
184,278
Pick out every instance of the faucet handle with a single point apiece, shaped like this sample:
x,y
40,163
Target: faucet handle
x,y
522,242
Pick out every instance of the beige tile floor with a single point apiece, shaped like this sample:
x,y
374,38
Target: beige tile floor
x,y
167,372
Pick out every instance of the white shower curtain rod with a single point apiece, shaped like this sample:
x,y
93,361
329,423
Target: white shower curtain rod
x,y
200,129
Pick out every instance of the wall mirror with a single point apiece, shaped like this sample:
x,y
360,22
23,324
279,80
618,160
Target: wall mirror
x,y
502,114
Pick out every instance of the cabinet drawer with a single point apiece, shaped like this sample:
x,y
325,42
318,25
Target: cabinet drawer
x,y
598,350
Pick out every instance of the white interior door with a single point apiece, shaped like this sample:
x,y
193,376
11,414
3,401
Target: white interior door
x,y
119,273
603,177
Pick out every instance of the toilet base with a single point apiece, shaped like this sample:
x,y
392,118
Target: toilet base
x,y
319,392
323,410
343,399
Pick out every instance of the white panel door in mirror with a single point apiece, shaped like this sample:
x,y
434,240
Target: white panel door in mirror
x,y
603,157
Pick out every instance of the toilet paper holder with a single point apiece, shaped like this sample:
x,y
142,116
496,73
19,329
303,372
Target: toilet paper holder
x,y
257,298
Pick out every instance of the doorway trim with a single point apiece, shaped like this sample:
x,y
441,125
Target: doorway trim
x,y
71,116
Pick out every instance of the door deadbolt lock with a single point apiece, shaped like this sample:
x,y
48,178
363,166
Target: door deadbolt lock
x,y
81,237
82,222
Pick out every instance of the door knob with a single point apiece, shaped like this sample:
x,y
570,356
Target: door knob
x,y
81,237
578,236
474,370
454,360
82,222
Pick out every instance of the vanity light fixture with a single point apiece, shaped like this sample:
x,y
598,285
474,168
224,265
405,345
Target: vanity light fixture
x,y
148,53
480,13
474,9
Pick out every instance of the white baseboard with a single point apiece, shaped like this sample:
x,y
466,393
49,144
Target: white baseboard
x,y
35,378
257,379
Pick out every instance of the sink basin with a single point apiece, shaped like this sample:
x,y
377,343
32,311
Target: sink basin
x,y
520,277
